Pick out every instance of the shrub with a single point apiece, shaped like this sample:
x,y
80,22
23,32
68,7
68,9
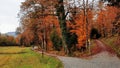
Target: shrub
x,y
56,40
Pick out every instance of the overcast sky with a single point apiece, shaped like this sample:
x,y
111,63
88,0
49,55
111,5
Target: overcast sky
x,y
8,15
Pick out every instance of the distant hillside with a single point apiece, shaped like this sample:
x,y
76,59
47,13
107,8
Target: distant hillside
x,y
11,34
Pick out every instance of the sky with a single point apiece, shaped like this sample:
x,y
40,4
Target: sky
x,y
8,15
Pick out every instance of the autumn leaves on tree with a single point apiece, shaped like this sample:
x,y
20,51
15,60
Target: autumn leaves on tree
x,y
63,24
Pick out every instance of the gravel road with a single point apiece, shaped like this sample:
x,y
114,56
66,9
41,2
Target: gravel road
x,y
101,60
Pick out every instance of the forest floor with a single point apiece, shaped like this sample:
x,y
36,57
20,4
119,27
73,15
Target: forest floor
x,y
105,58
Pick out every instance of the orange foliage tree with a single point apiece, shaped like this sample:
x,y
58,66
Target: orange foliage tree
x,y
105,20
79,28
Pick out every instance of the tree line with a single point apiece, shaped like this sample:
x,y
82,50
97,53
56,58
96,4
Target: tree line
x,y
6,40
66,24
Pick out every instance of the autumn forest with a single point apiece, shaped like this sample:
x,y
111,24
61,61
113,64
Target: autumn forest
x,y
68,27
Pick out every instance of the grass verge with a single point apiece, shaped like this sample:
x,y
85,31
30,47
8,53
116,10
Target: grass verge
x,y
16,57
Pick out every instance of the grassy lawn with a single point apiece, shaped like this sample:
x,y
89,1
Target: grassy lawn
x,y
16,57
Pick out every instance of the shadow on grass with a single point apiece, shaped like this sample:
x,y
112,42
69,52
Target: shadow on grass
x,y
5,53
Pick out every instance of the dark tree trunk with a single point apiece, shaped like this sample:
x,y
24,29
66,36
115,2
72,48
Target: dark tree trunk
x,y
62,21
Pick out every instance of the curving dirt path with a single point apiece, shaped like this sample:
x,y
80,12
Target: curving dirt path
x,y
104,47
105,59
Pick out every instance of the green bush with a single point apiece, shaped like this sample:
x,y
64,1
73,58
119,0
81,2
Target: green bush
x,y
56,40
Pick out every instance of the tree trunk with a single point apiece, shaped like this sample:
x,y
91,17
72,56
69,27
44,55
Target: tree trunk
x,y
62,21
